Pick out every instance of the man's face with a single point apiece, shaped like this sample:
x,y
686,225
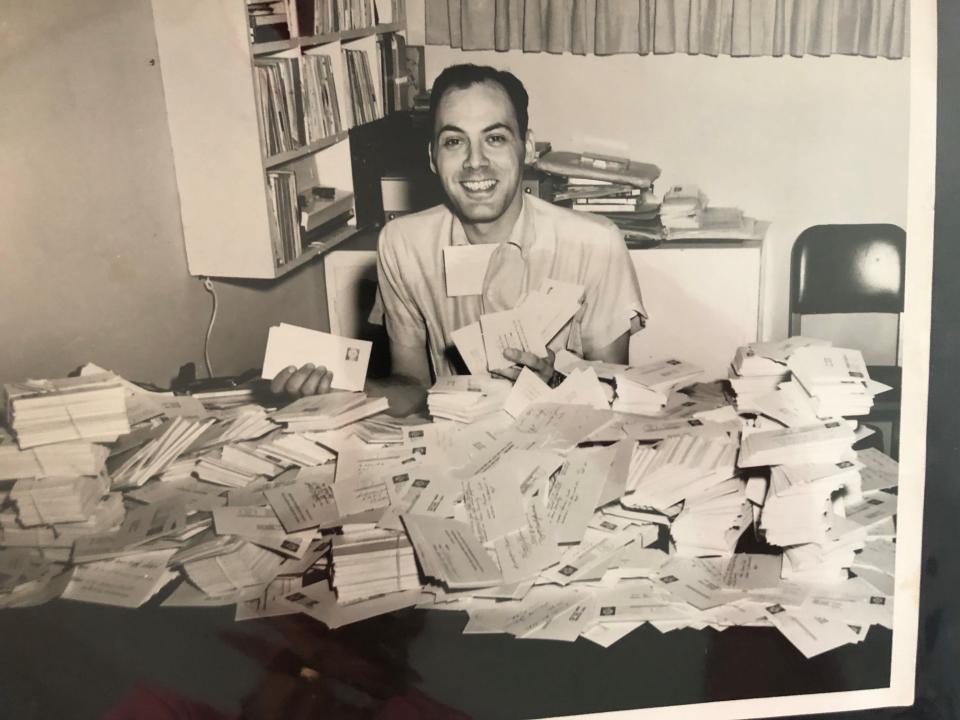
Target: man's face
x,y
478,153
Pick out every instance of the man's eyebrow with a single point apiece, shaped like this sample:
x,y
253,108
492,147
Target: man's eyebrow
x,y
489,128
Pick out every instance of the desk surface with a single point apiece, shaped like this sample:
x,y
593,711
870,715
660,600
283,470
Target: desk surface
x,y
73,660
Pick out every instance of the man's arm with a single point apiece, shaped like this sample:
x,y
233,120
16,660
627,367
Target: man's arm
x,y
406,387
410,361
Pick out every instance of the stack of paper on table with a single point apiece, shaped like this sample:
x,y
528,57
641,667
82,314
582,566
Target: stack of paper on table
x,y
236,466
466,398
293,346
169,441
680,467
759,368
538,524
379,430
243,422
821,442
328,412
836,380
765,359
91,408
711,522
645,389
60,460
368,563
52,501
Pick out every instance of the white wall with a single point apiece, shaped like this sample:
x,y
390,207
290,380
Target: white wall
x,y
797,142
92,265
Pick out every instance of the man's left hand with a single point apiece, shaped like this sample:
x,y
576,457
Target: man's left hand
x,y
543,367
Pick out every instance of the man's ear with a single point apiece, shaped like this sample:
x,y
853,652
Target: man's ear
x,y
433,165
529,148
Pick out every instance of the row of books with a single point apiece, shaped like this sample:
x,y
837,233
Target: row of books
x,y
363,96
399,87
282,200
280,104
320,17
298,101
293,214
281,20
321,110
269,21
682,215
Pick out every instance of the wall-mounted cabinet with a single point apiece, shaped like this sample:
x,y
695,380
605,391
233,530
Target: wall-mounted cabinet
x,y
260,97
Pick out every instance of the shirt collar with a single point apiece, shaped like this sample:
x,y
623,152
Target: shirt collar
x,y
522,234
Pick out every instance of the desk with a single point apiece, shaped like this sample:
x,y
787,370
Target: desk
x,y
703,299
72,660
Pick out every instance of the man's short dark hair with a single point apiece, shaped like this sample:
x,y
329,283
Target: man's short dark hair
x,y
463,76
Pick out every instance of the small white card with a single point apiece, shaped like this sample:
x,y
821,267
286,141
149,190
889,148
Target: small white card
x,y
509,329
465,267
346,358
469,342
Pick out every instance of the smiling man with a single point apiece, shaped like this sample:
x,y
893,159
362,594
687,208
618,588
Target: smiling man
x,y
480,143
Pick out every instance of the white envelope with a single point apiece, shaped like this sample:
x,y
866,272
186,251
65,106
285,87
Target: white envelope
x,y
465,267
346,358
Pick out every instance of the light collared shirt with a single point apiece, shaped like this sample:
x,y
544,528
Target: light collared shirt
x,y
555,243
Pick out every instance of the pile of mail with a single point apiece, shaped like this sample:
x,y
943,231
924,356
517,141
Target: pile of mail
x,y
467,398
802,377
542,512
90,408
646,389
529,327
328,412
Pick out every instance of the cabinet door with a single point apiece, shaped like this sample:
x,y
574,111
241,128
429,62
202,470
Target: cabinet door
x,y
703,303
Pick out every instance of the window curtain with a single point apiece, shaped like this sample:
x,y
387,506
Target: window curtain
x,y
742,28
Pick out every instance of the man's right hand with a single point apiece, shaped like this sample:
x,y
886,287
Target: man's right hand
x,y
300,382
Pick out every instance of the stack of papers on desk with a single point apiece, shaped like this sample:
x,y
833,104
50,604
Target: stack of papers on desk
x,y
370,563
467,398
61,460
542,513
820,442
91,408
645,389
836,380
759,368
380,429
52,501
328,412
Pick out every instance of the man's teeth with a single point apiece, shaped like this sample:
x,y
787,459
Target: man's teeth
x,y
478,185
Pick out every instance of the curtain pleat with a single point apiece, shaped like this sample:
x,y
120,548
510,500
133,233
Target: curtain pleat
x,y
741,28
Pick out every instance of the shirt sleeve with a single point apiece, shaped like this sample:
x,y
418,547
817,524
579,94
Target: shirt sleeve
x,y
613,304
404,322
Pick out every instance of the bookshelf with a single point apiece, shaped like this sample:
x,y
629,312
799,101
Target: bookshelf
x,y
259,115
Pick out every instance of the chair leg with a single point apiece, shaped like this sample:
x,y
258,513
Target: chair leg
x,y
895,439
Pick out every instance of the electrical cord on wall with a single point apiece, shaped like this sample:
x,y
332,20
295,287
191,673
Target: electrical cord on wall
x,y
208,286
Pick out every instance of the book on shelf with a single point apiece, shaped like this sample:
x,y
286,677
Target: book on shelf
x,y
320,211
284,216
317,17
321,107
363,97
269,21
396,79
280,103
386,11
354,14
